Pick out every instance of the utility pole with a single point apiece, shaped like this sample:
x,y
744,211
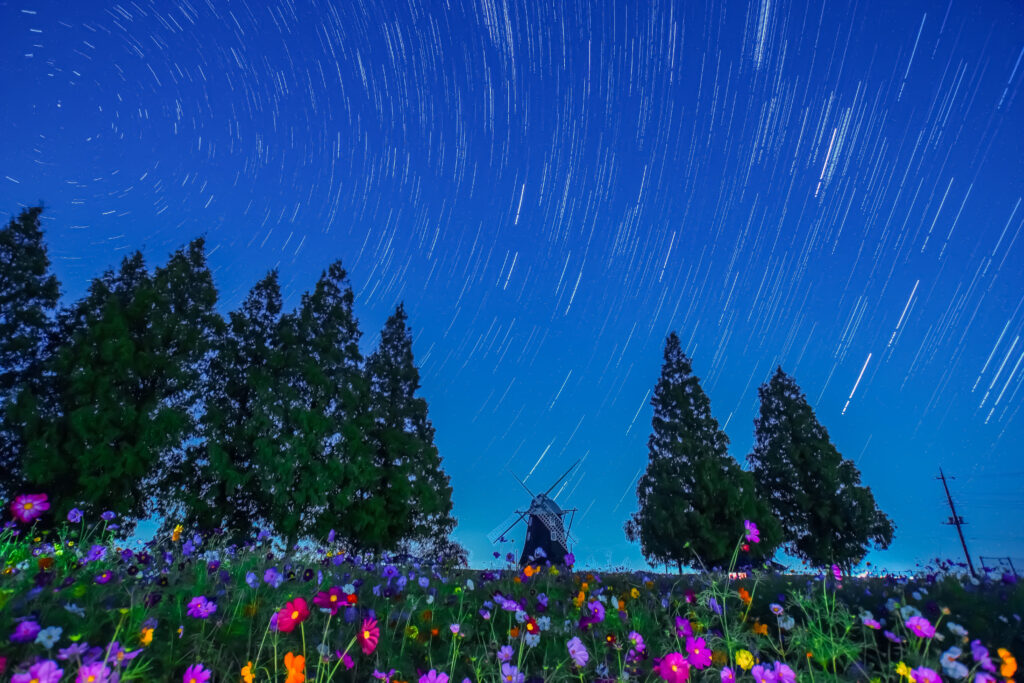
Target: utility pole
x,y
956,520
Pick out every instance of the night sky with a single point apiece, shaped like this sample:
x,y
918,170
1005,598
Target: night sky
x,y
552,187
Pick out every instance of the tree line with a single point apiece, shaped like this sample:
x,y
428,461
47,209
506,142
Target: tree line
x,y
801,493
140,398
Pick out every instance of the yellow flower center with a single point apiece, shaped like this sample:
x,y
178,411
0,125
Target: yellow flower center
x,y
675,668
334,598
28,506
295,614
366,634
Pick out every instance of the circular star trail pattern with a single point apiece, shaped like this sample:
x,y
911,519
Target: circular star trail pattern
x,y
551,187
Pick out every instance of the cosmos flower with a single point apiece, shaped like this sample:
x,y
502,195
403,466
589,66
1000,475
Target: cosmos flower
x,y
763,674
505,653
294,612
920,627
728,676
48,637
25,632
45,671
368,635
674,668
195,674
923,674
201,608
784,674
744,659
29,507
433,676
698,653
578,651
511,674
752,535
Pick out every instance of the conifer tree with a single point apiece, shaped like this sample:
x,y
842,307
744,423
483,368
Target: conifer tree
x,y
102,420
826,516
693,497
187,328
411,495
29,292
326,454
242,422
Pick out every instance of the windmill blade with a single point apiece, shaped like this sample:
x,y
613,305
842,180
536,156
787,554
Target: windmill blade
x,y
506,525
522,484
562,477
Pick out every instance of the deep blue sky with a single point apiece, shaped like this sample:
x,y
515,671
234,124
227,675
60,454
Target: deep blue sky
x,y
551,187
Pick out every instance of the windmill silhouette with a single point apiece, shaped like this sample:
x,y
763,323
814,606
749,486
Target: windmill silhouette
x,y
545,528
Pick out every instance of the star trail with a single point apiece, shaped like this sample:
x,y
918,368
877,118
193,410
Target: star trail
x,y
552,187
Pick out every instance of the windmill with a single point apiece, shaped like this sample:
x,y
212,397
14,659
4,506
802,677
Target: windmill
x,y
545,528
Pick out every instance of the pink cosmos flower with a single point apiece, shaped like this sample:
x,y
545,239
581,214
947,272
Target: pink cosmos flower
x,y
920,627
923,674
698,653
763,674
196,674
674,668
97,672
751,532
29,507
784,674
45,671
330,600
578,652
433,676
727,675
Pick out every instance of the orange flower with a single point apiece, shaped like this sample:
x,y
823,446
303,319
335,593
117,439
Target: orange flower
x,y
760,628
294,662
146,637
622,605
528,570
247,672
517,580
585,586
745,595
514,633
1009,666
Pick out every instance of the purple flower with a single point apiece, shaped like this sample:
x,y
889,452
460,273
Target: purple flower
x,y
96,672
982,677
72,650
390,572
433,676
108,515
920,627
578,652
104,577
697,652
75,516
713,604
96,552
330,536
25,632
195,674
923,674
728,676
201,608
511,674
683,627
505,653
273,577
45,671
784,674
570,559
893,637
836,572
763,674
871,623
424,582
751,532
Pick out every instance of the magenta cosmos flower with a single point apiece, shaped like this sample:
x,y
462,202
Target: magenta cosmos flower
x,y
196,674
674,668
25,632
920,627
45,671
923,674
30,506
97,672
752,533
763,674
698,653
727,675
433,676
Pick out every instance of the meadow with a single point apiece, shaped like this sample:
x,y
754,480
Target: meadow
x,y
77,606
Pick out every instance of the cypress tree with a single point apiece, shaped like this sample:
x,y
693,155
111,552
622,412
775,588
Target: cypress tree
x,y
411,497
826,516
693,497
102,423
29,292
326,457
242,422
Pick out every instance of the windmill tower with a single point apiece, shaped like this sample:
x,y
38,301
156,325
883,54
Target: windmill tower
x,y
545,527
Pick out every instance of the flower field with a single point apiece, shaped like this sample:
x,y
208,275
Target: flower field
x,y
75,606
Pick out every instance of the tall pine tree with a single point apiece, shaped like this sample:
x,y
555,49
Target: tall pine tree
x,y
411,496
29,292
827,517
693,498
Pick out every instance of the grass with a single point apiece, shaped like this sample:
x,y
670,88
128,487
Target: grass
x,y
189,609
